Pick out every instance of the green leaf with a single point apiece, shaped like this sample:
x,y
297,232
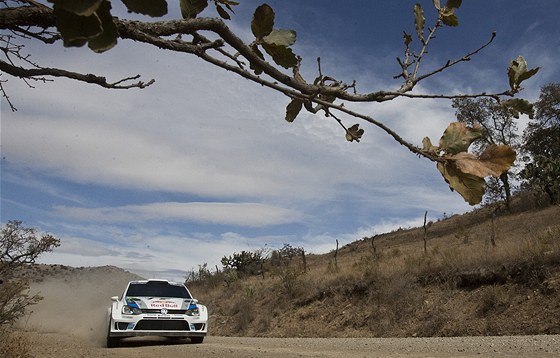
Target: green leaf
x,y
227,3
470,187
419,21
448,16
76,30
263,21
354,133
517,106
191,8
108,38
450,20
153,8
293,109
458,137
82,8
281,37
222,12
518,72
453,4
282,55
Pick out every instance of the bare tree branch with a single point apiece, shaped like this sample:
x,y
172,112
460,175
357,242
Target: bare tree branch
x,y
56,72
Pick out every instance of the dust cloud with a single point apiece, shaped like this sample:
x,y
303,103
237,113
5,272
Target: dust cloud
x,y
75,300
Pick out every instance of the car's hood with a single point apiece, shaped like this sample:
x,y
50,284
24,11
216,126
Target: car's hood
x,y
159,303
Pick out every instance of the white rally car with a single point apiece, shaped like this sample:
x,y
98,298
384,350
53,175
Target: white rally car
x,y
156,308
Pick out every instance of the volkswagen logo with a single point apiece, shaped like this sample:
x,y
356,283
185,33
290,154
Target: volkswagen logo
x,y
163,311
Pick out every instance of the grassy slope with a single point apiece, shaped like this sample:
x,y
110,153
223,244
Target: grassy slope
x,y
461,286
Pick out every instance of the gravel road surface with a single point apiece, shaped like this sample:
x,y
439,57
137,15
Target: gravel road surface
x,y
58,345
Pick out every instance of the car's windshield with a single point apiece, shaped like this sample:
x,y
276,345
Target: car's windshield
x,y
156,289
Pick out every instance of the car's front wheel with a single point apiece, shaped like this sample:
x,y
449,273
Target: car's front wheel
x,y
112,342
197,340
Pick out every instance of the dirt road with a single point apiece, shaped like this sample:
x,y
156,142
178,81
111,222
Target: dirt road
x,y
56,345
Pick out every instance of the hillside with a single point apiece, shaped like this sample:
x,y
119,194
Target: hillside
x,y
461,286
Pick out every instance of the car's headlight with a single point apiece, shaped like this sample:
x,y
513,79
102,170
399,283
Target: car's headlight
x,y
131,310
192,311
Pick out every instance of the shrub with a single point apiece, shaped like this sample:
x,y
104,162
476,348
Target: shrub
x,y
19,247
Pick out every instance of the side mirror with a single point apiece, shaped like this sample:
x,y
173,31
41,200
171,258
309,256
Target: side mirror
x,y
194,300
115,298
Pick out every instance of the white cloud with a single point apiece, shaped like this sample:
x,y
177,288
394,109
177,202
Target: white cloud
x,y
241,214
151,253
191,136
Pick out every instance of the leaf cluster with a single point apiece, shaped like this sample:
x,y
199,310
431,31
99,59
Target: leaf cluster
x,y
499,127
275,42
464,171
90,21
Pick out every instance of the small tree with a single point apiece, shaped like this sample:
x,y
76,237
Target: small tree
x,y
542,145
244,262
19,246
285,255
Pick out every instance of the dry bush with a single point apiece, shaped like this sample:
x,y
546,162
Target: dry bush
x,y
263,324
493,299
243,315
14,300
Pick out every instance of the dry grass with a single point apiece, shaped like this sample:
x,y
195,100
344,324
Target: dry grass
x,y
460,286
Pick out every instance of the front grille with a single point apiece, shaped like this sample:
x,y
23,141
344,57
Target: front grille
x,y
158,311
161,325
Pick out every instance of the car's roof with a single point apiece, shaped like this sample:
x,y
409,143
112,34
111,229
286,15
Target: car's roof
x,y
156,280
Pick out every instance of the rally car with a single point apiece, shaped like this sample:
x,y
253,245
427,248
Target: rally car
x,y
156,308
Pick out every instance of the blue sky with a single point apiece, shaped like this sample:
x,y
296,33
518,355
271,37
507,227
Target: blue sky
x,y
201,164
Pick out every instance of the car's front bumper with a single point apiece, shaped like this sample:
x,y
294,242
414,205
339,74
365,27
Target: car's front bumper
x,y
157,325
124,334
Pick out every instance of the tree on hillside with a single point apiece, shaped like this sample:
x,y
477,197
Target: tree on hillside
x,y
541,144
267,60
19,246
499,127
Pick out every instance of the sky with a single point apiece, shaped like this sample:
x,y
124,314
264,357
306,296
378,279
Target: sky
x,y
202,164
